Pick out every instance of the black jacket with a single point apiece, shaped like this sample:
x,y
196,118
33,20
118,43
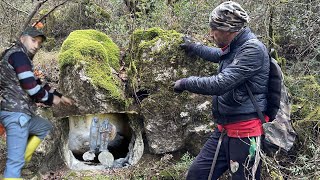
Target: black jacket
x,y
246,61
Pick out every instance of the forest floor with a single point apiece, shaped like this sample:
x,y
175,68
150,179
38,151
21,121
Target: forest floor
x,y
168,166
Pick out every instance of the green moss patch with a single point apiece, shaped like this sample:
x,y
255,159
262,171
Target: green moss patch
x,y
96,53
83,43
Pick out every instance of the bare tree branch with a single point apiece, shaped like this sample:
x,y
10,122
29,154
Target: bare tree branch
x,y
13,7
43,17
31,15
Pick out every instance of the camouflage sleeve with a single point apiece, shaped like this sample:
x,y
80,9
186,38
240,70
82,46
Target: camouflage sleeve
x,y
23,68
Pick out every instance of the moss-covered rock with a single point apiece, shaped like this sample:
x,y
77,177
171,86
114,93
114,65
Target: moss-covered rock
x,y
88,62
156,61
82,44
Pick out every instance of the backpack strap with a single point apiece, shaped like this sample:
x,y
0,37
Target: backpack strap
x,y
255,104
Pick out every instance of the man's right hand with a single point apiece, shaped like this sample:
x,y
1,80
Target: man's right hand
x,y
66,101
179,85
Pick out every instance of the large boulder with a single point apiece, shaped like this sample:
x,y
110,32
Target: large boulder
x,y
89,62
156,61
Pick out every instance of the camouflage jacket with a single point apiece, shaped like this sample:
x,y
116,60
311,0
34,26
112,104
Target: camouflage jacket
x,y
14,97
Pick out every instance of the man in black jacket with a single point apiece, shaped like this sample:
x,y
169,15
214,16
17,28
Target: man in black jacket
x,y
242,59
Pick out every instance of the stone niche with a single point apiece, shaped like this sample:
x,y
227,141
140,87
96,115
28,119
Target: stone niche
x,y
88,63
126,146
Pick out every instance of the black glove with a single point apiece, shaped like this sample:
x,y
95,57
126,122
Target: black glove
x,y
179,85
188,45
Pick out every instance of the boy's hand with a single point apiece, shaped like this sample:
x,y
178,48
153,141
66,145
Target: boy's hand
x,y
66,101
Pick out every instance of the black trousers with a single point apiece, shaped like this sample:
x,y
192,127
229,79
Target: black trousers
x,y
233,155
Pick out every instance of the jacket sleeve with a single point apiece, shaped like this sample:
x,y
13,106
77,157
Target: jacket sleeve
x,y
47,87
207,53
23,68
246,63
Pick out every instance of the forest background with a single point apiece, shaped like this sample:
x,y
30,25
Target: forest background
x,y
290,27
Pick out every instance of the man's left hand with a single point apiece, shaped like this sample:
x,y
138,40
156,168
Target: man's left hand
x,y
41,105
188,46
66,101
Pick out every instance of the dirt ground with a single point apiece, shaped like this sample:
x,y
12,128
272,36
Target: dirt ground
x,y
148,165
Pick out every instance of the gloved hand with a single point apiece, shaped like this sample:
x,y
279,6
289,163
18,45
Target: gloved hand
x,y
187,45
179,85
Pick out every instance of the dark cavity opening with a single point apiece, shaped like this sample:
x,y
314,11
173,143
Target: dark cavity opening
x,y
118,147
